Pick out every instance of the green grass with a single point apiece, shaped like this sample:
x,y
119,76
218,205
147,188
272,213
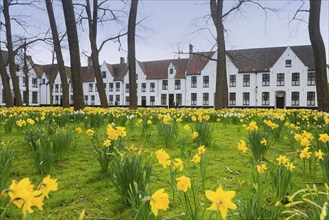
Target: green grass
x,y
82,186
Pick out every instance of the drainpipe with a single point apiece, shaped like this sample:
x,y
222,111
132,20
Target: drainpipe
x,y
256,90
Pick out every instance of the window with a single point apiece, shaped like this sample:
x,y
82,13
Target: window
x,y
152,87
56,87
193,82
205,98
117,99
34,97
177,84
295,79
110,87
104,74
232,100
111,99
92,102
310,98
295,99
104,84
127,87
143,87
178,99
127,100
163,99
56,99
246,98
34,82
171,71
311,79
266,79
136,76
164,84
43,81
193,98
232,80
265,98
24,79
280,79
24,96
152,100
96,89
86,100
288,63
246,80
205,81
91,87
117,87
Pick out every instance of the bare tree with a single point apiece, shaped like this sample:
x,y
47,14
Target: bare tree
x,y
92,23
59,55
11,55
221,94
74,54
319,55
5,82
132,54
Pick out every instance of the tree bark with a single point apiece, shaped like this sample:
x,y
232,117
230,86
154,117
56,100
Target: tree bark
x,y
26,75
11,55
59,55
221,94
92,22
319,56
74,54
5,82
132,54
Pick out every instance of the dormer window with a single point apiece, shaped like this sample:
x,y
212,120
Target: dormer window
x,y
171,71
288,63
104,74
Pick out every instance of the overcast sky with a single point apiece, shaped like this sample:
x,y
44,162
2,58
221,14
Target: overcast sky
x,y
171,25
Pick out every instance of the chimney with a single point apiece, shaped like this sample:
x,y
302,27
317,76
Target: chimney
x,y
90,62
190,50
122,60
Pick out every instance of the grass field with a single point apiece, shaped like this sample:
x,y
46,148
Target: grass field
x,y
82,185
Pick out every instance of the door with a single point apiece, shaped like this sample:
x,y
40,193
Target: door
x,y
280,100
143,101
171,101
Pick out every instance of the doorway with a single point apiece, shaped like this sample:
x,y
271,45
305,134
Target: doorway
x,y
143,101
280,99
171,101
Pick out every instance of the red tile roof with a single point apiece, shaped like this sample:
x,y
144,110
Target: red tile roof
x,y
118,71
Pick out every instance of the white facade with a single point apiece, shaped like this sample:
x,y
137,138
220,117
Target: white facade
x,y
284,81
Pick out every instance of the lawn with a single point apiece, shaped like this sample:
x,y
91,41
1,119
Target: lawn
x,y
262,185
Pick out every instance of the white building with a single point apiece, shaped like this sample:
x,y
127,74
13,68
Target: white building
x,y
279,77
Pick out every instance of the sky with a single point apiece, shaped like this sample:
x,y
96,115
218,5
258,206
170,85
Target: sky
x,y
169,26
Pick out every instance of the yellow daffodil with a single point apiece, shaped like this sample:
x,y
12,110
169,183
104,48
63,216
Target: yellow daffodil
x,y
324,138
184,183
319,154
263,141
261,168
201,149
90,132
107,143
290,166
178,164
195,134
242,146
305,142
163,158
298,137
305,153
48,184
159,201
282,160
149,122
196,159
221,201
78,130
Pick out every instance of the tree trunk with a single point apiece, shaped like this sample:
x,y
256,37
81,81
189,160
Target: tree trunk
x,y
319,56
5,82
26,75
92,22
59,56
11,55
221,94
74,54
132,54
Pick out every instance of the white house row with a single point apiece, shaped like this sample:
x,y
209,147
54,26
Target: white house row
x,y
263,77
